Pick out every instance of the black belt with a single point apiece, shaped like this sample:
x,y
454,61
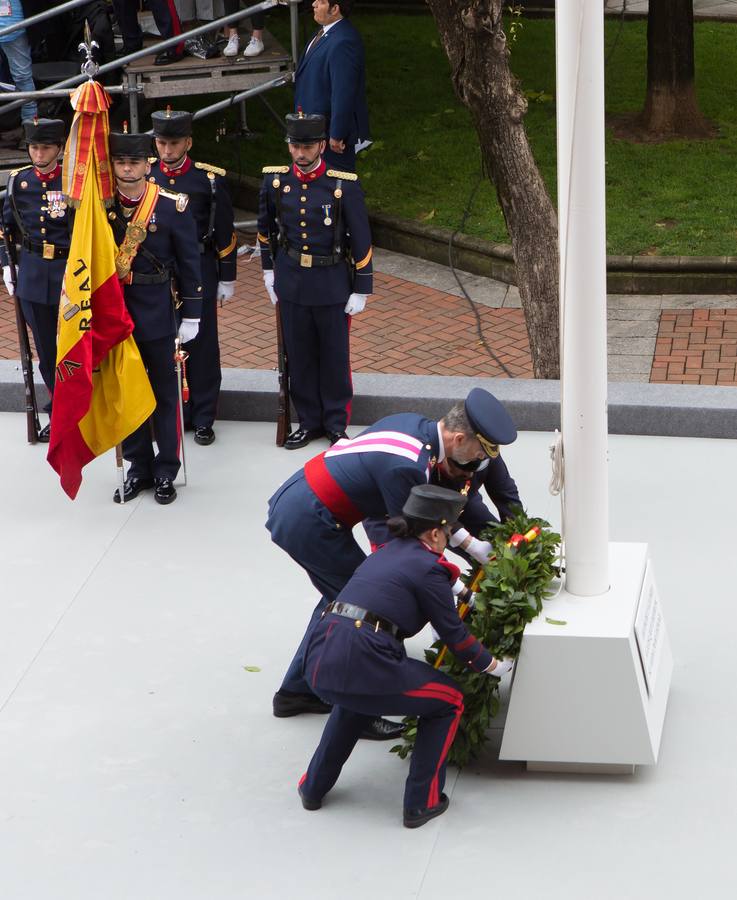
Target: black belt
x,y
158,278
47,251
308,260
364,615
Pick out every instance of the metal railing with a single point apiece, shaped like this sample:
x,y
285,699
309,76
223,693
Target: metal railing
x,y
42,16
9,102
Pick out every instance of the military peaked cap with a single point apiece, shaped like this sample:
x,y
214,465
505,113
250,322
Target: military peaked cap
x,y
172,123
44,131
136,146
302,129
490,420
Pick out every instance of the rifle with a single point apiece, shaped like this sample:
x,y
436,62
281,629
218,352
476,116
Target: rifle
x,y
283,414
33,425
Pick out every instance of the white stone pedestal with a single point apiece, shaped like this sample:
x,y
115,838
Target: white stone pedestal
x,y
590,695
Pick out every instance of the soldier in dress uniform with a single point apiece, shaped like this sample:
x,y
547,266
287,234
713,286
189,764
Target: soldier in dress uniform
x,y
156,235
316,254
355,658
209,202
35,216
493,475
311,516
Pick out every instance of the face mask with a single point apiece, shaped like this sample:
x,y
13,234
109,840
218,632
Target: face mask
x,y
471,466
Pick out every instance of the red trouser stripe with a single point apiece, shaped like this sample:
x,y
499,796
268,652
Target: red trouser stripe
x,y
439,691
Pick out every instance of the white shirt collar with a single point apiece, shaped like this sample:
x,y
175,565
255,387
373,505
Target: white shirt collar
x,y
327,28
441,445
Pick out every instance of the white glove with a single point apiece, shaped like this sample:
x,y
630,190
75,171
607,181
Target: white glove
x,y
225,291
8,279
269,284
502,666
479,550
355,304
188,330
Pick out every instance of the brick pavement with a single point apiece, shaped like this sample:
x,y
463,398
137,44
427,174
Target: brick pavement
x,y
413,328
696,346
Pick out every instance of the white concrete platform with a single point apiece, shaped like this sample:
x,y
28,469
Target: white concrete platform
x,y
140,761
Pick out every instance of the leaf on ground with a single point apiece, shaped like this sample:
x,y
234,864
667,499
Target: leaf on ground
x,y
252,668
555,621
425,217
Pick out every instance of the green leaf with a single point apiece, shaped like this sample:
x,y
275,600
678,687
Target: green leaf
x,y
555,621
252,668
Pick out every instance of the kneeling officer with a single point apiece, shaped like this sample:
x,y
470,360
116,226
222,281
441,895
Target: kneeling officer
x,y
356,658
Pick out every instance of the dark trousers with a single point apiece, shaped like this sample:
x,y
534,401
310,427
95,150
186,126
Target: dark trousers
x,y
306,530
258,20
343,162
204,375
438,703
164,13
42,320
158,358
317,344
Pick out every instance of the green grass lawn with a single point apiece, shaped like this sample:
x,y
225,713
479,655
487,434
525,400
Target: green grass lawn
x,y
426,157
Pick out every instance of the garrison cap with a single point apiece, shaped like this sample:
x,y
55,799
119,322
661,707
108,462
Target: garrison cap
x,y
490,420
302,129
172,123
433,503
44,131
136,146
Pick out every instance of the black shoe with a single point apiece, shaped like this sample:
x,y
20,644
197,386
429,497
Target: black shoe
x,y
382,730
286,704
165,491
335,436
132,487
302,437
204,435
307,803
166,57
413,818
44,434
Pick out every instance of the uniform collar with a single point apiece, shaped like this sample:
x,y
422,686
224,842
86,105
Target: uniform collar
x,y
126,201
441,446
311,176
175,173
48,176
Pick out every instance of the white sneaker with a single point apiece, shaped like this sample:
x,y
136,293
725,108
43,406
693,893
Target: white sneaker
x,y
255,46
231,49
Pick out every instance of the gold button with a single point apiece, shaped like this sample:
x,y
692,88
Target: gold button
x,y
43,196
303,224
42,218
357,623
43,231
172,181
302,211
428,447
303,199
305,247
304,235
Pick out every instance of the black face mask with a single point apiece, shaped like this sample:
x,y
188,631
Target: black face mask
x,y
466,467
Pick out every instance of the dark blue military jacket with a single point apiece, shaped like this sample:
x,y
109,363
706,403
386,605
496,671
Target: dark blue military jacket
x,y
171,240
210,204
408,584
321,216
378,468
331,80
476,516
44,220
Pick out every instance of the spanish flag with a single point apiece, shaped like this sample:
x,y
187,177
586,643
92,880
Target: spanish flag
x,y
101,393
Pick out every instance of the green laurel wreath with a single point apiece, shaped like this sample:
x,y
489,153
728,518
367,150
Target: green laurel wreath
x,y
515,582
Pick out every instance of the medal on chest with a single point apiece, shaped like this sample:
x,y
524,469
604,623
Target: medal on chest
x,y
56,204
326,207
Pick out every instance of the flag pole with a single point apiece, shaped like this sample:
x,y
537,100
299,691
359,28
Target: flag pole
x,y
121,470
180,356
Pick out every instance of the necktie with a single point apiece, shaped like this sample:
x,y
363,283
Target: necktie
x,y
316,40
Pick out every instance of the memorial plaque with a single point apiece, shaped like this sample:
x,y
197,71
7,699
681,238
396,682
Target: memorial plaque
x,y
649,628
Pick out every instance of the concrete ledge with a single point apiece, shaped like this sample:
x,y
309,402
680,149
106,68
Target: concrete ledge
x,y
634,408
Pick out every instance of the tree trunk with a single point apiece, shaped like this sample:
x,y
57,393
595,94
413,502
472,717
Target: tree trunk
x,y
671,109
476,46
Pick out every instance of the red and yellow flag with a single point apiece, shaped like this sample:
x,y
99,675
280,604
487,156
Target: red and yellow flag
x,y
101,393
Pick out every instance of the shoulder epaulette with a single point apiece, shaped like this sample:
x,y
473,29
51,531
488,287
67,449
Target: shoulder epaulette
x,y
22,169
206,167
152,160
181,200
346,176
275,170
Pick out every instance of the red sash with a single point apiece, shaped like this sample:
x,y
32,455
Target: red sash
x,y
330,493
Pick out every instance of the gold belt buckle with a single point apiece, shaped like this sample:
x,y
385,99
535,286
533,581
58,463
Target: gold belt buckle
x,y
305,260
48,250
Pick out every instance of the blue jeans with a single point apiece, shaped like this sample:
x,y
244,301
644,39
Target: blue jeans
x,y
18,54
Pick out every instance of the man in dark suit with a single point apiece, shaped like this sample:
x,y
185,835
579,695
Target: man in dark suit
x,y
331,81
